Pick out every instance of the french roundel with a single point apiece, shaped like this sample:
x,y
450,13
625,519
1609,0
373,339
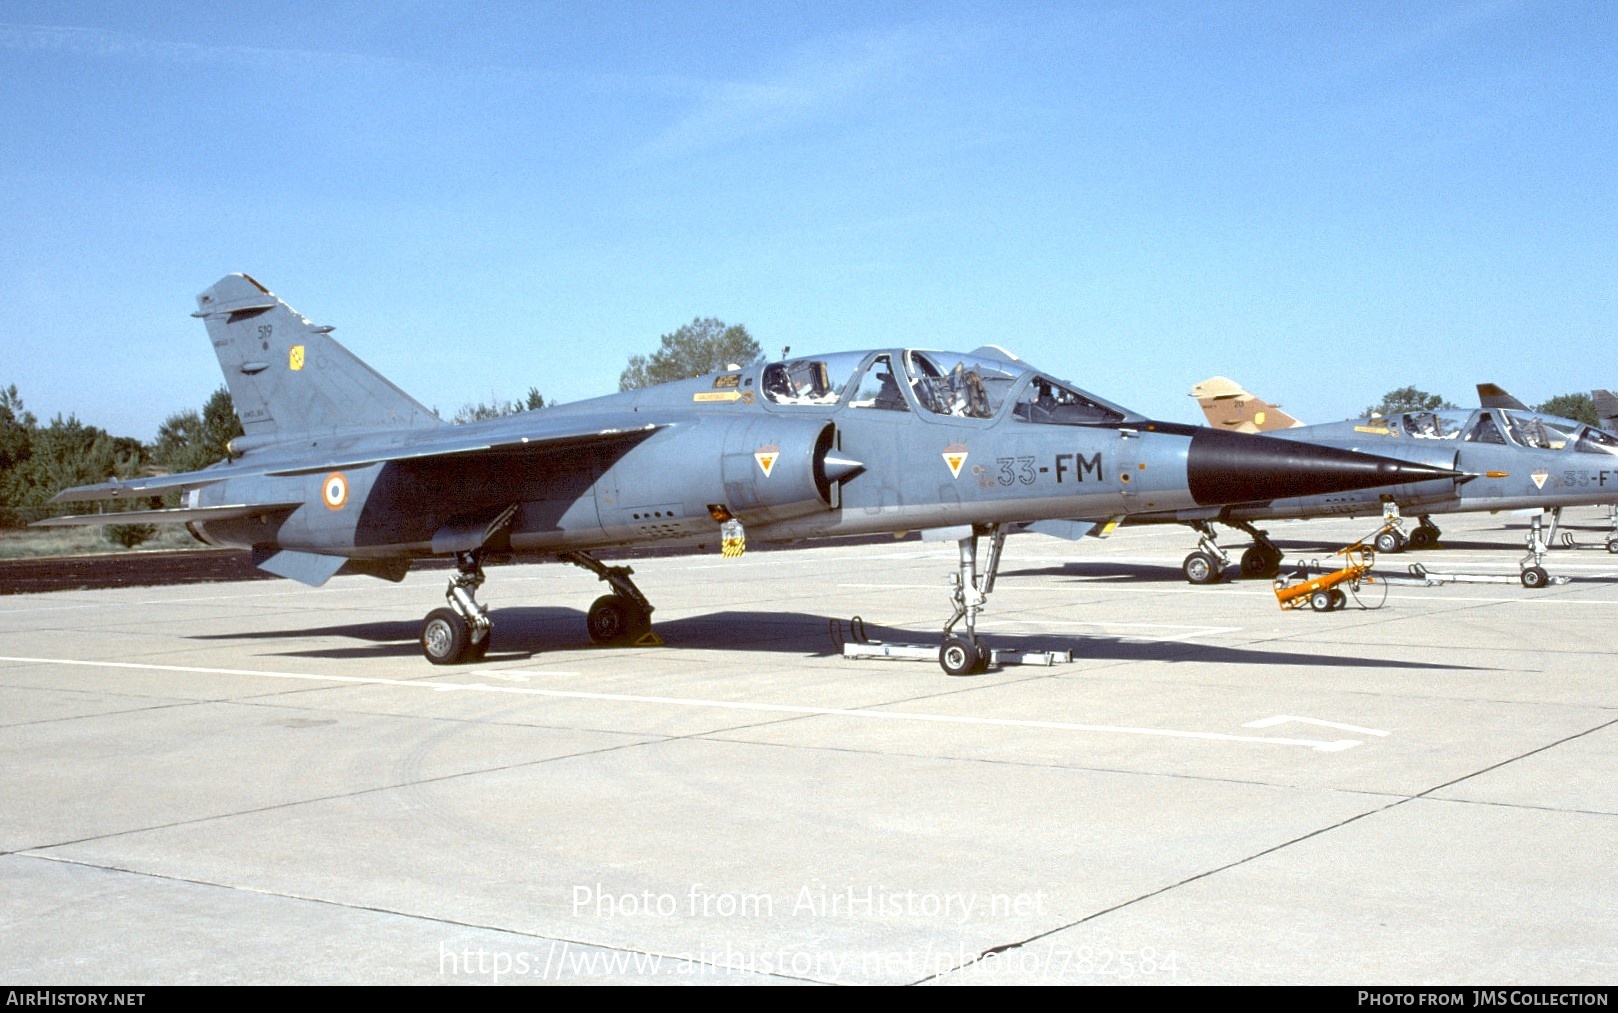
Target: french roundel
x,y
335,491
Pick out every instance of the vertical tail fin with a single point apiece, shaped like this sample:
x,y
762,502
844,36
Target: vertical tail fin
x,y
1606,409
1492,395
287,376
1231,408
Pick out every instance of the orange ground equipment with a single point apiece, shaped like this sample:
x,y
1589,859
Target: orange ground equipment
x,y
1325,593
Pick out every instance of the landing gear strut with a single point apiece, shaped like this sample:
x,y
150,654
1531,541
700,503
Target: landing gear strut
x,y
460,632
962,653
1533,573
622,617
1207,564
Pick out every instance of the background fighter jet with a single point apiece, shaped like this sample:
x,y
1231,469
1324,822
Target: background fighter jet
x,y
1520,459
338,471
1231,409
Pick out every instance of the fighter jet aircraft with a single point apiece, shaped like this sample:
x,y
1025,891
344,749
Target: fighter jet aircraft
x,y
339,471
1521,459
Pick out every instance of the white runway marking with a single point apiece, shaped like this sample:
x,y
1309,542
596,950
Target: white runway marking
x,y
1190,631
1317,745
1281,719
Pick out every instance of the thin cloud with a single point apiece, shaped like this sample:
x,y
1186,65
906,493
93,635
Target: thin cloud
x,y
103,44
819,81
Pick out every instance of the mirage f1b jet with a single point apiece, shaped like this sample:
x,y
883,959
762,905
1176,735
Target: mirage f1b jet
x,y
341,472
1521,459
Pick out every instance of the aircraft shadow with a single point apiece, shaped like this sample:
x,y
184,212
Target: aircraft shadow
x,y
525,632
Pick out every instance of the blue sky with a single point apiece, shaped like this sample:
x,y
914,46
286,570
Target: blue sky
x,y
1324,201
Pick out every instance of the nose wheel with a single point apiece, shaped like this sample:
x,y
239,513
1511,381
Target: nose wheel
x,y
962,655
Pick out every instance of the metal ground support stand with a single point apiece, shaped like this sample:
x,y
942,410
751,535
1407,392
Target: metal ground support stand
x,y
1568,541
1419,576
623,617
1207,564
854,644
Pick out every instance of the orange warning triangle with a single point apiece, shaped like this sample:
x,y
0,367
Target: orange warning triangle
x,y
955,459
766,461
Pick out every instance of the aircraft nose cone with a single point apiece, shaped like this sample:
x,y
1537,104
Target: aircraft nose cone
x,y
837,469
1239,468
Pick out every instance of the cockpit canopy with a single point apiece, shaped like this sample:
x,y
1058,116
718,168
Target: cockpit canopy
x,y
1506,427
972,385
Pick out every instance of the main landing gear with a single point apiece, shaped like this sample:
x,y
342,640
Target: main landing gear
x,y
460,631
962,653
1263,558
622,617
1207,565
1393,537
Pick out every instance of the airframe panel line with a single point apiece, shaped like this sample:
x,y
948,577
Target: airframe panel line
x,y
1318,745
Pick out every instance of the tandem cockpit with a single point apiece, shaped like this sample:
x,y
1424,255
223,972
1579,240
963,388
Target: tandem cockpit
x,y
983,384
1505,426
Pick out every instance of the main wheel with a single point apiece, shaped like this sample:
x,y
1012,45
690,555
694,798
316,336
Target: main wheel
x,y
445,637
1258,563
984,657
1535,576
1422,538
960,655
1612,545
614,619
1389,541
1320,601
1201,568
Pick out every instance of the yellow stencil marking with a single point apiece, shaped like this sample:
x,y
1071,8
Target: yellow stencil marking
x,y
295,358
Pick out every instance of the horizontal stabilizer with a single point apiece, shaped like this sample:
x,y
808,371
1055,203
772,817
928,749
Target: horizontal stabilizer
x,y
181,515
310,568
315,569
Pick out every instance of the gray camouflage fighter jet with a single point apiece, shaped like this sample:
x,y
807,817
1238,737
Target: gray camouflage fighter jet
x,y
1519,459
339,471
